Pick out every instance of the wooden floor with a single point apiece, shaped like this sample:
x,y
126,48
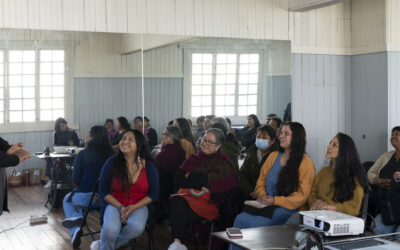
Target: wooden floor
x,y
17,233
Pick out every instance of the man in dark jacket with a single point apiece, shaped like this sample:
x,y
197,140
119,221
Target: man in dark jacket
x,y
10,155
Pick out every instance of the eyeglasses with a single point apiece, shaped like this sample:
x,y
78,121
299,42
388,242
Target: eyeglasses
x,y
208,142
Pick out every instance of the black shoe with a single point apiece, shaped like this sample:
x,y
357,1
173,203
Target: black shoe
x,y
76,238
72,222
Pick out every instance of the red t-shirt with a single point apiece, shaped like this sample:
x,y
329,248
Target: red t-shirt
x,y
138,190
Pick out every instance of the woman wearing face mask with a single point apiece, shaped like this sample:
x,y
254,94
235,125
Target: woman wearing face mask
x,y
285,180
256,156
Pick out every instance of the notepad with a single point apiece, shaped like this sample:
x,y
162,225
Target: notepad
x,y
254,203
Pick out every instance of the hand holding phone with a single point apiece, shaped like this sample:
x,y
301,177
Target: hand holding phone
x,y
234,232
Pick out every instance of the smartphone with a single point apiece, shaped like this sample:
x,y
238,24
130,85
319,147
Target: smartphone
x,y
234,232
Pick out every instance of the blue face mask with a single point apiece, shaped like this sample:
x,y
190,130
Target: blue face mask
x,y
262,144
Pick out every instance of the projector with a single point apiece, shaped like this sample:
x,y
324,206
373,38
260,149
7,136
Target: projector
x,y
331,223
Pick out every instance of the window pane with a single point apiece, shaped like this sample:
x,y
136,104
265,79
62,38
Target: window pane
x,y
253,78
15,80
252,109
28,80
206,100
207,68
28,56
58,103
220,89
28,92
196,79
29,104
221,68
252,99
221,79
221,58
1,69
243,100
16,104
231,68
230,78
254,58
206,90
1,117
197,58
15,92
15,68
15,56
243,79
45,55
58,79
206,111
1,56
28,68
243,89
207,58
45,79
46,103
244,69
29,116
231,58
230,100
230,89
196,90
58,92
46,115
15,116
196,111
244,58
229,111
196,69
196,100
220,111
219,100
45,68
242,111
252,89
207,79
253,68
45,92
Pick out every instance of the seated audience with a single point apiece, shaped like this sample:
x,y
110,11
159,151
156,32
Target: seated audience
x,y
275,123
230,129
149,133
231,146
168,162
285,180
247,135
112,132
269,118
341,186
205,180
10,155
200,127
187,141
381,173
87,168
266,143
388,220
206,126
64,136
122,125
128,183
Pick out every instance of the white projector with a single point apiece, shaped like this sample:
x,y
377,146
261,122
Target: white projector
x,y
332,223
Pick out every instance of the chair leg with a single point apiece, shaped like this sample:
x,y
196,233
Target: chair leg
x,y
210,237
194,237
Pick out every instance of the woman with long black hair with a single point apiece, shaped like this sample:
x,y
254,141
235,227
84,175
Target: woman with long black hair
x,y
341,186
187,141
128,183
87,168
285,180
122,125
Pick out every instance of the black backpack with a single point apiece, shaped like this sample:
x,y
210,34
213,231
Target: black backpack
x,y
391,206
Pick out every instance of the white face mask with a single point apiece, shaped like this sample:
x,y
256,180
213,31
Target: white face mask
x,y
262,144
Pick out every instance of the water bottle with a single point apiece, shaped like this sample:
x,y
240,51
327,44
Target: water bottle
x,y
47,151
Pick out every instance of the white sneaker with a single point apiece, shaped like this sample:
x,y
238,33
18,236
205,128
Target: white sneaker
x,y
95,245
177,246
48,184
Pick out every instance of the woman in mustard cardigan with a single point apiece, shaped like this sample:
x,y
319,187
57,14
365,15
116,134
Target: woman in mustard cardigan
x,y
285,179
341,186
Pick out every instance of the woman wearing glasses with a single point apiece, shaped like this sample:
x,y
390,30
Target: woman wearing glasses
x,y
205,179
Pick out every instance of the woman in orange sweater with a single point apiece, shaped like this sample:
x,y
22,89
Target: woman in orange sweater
x,y
285,180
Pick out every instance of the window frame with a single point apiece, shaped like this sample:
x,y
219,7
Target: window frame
x,y
235,49
38,125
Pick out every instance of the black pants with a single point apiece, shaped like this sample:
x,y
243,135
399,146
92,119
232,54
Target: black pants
x,y
181,215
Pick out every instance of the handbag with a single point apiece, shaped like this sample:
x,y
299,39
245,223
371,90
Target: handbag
x,y
391,206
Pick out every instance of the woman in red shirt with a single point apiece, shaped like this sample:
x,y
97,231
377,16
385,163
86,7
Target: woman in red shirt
x,y
128,183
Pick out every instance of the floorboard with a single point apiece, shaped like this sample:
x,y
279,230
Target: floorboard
x,y
17,233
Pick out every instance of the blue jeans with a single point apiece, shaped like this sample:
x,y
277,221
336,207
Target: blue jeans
x,y
246,220
73,208
381,228
114,233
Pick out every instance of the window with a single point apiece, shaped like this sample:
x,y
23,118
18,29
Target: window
x,y
22,99
224,84
51,84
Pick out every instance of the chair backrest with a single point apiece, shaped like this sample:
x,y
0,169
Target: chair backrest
x,y
367,165
364,208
